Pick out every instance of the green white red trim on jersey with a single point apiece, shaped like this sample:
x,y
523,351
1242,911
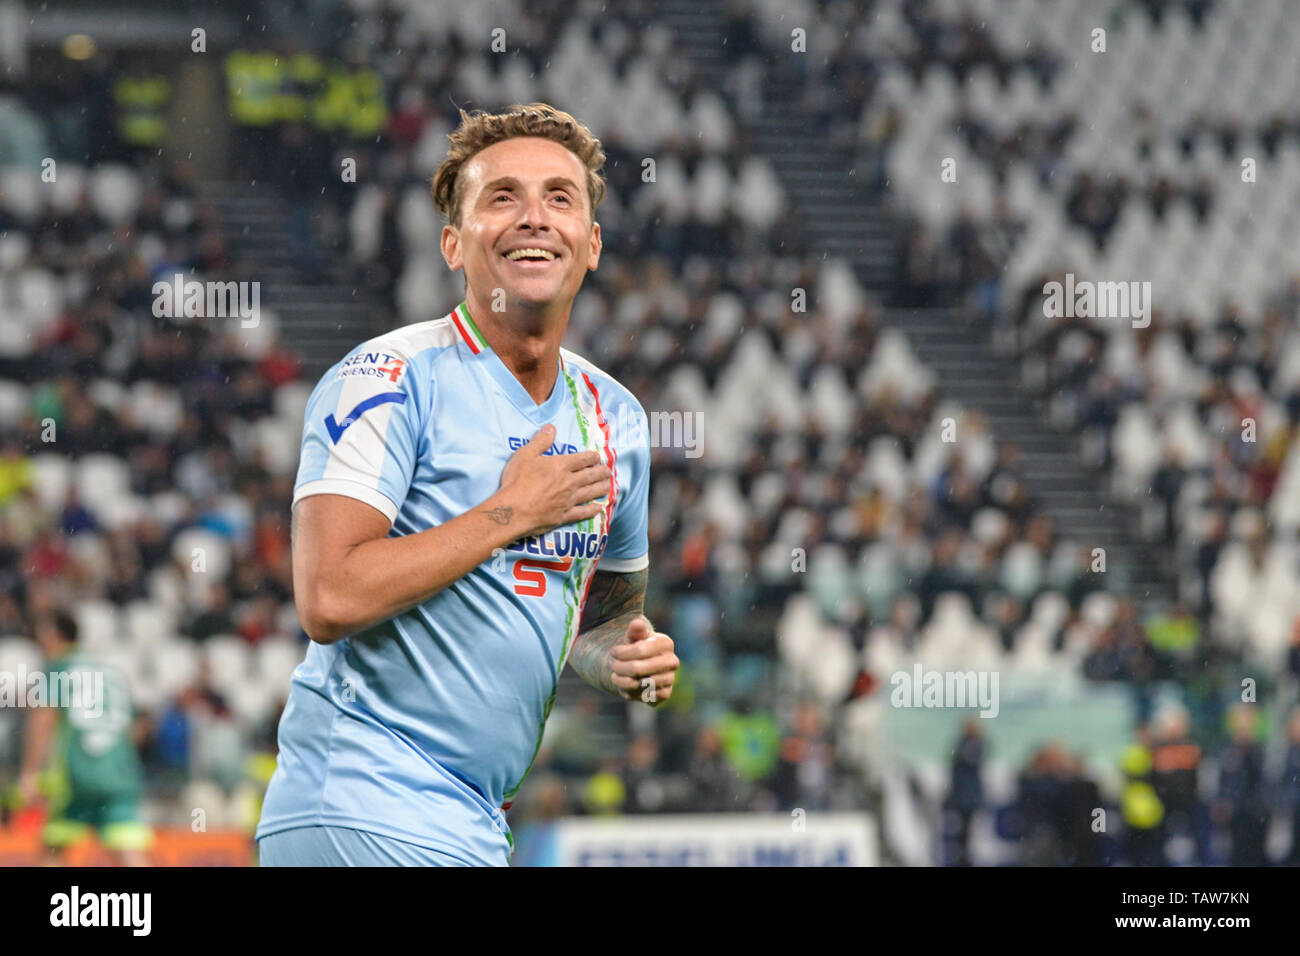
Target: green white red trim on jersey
x,y
468,330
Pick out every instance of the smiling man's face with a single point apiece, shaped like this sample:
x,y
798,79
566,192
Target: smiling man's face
x,y
525,223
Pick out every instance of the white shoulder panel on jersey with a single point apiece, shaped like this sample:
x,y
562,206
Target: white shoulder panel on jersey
x,y
415,338
352,454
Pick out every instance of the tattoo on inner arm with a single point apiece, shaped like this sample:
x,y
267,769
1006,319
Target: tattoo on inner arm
x,y
613,601
500,514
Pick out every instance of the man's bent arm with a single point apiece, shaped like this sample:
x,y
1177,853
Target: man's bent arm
x,y
42,722
348,575
615,599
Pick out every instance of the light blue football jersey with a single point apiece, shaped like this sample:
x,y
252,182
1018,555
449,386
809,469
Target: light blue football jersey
x,y
423,727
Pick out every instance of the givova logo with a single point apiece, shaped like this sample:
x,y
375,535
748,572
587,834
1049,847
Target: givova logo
x,y
556,449
74,908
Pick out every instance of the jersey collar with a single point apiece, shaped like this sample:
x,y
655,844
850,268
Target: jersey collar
x,y
468,330
515,391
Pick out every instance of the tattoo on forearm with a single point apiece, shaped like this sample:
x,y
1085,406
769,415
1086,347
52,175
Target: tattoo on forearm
x,y
501,514
613,594
613,601
590,654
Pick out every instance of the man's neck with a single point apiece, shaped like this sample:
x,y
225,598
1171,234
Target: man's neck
x,y
527,343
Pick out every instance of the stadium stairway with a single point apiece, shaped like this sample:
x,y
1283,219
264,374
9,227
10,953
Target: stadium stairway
x,y
841,216
320,323
956,344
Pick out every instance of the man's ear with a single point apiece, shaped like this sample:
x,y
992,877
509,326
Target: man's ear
x,y
451,247
594,247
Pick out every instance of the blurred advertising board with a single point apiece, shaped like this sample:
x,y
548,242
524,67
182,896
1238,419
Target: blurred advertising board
x,y
751,839
21,846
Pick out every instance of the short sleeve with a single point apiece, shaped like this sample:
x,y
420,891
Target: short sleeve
x,y
628,548
361,430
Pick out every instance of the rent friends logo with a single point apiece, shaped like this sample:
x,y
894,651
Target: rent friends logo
x,y
372,365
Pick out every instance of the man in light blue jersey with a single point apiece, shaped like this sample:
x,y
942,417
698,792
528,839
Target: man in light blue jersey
x,y
470,513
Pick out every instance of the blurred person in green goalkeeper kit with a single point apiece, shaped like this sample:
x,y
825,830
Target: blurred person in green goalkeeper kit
x,y
78,748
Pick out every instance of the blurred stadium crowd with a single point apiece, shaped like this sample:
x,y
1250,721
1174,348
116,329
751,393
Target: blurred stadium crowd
x,y
829,536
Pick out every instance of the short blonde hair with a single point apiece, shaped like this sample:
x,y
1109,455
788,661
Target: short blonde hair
x,y
479,130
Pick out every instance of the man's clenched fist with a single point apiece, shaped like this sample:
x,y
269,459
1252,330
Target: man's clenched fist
x,y
644,663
